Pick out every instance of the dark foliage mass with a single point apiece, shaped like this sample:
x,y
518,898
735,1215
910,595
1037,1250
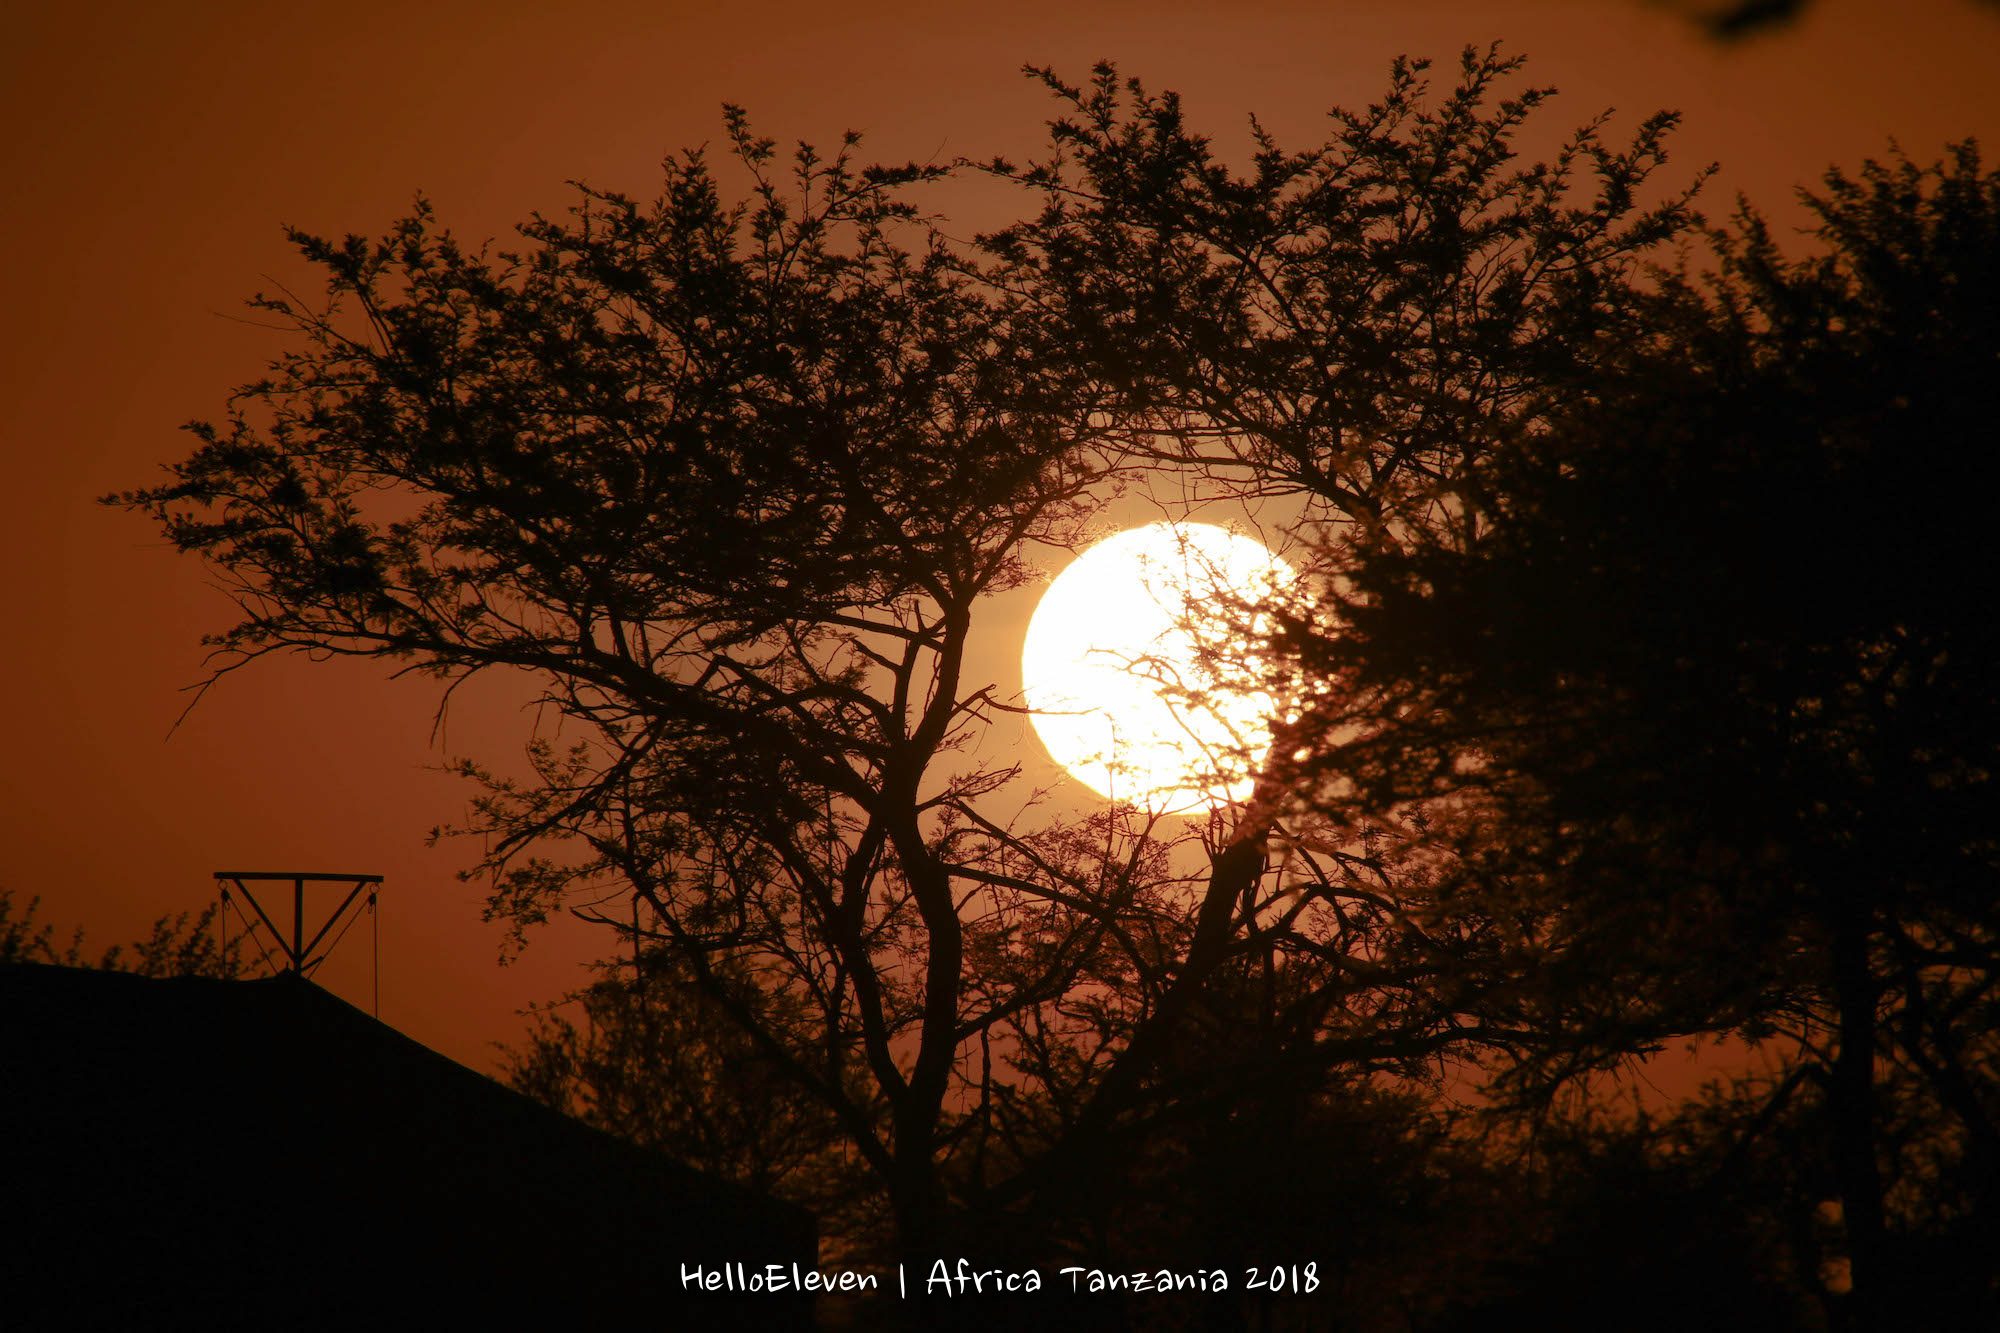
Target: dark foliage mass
x,y
184,944
1715,681
1638,689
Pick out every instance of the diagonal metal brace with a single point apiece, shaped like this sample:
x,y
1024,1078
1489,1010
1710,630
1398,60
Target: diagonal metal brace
x,y
297,950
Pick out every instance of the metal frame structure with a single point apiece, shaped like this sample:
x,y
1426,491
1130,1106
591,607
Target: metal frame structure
x,y
297,950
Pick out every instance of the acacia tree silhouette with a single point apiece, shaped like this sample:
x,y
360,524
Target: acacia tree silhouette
x,y
1356,332
731,485
1709,681
1601,620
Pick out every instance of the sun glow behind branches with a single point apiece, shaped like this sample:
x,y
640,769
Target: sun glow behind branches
x,y
1136,665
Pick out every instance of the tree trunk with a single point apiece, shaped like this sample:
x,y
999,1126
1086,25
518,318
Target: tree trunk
x,y
1066,1167
1851,1100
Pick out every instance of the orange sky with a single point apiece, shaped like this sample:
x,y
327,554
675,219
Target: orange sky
x,y
154,153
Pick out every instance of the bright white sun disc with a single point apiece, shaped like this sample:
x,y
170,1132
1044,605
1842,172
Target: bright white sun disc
x,y
1135,665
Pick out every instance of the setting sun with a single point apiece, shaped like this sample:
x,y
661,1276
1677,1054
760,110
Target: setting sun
x,y
1128,660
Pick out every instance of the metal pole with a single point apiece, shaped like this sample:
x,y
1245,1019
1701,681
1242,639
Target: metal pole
x,y
298,925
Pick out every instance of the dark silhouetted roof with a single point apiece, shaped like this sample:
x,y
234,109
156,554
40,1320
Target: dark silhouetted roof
x,y
196,1153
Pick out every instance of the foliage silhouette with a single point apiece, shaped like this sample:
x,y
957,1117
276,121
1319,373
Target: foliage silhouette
x,y
732,484
1350,325
1707,685
1354,334
178,945
651,1057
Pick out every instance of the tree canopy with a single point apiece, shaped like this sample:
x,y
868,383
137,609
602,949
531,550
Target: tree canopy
x,y
733,483
1714,680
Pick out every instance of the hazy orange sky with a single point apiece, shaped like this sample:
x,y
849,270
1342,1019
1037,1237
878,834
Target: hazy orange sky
x,y
154,153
